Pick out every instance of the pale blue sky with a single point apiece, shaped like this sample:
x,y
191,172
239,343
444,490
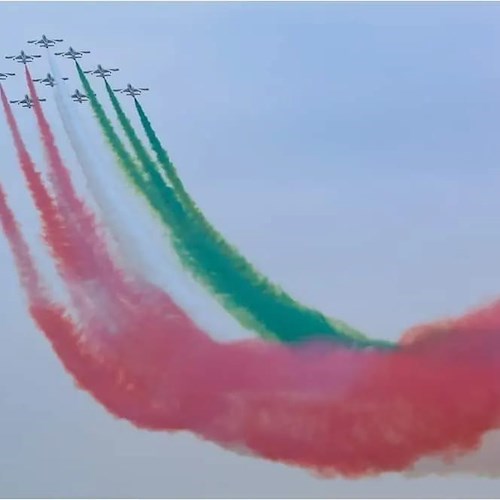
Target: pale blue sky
x,y
350,150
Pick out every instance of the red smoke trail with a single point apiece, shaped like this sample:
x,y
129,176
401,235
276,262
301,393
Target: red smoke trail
x,y
90,240
94,367
74,261
30,278
334,410
67,253
77,264
101,364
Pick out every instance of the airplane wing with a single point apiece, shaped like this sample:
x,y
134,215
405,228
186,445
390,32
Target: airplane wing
x,y
10,57
37,79
118,90
35,55
143,89
10,74
85,51
13,102
32,41
58,40
59,53
65,78
89,71
42,100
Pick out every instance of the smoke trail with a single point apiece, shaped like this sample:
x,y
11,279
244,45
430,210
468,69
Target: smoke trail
x,y
104,285
85,273
30,279
68,256
243,292
171,215
336,411
318,406
94,367
73,261
139,241
89,352
339,412
91,243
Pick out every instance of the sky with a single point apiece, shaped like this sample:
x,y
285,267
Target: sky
x,y
349,150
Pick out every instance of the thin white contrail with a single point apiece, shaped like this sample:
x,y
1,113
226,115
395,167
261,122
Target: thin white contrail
x,y
140,240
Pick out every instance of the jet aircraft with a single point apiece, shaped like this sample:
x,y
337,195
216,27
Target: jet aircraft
x,y
27,102
79,97
101,72
46,42
71,53
130,90
48,81
4,76
23,57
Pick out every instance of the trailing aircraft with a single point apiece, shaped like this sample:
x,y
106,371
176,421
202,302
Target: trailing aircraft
x,y
49,80
71,53
130,90
27,102
23,57
101,72
79,97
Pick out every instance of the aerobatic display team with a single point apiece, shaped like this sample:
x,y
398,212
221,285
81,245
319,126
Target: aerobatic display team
x,y
304,389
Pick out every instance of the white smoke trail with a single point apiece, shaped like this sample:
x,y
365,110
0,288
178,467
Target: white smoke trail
x,y
141,241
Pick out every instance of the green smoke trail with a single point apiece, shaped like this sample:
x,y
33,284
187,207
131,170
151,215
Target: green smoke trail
x,y
148,182
135,173
246,294
274,302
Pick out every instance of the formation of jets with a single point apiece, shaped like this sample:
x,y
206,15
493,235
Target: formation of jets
x,y
50,81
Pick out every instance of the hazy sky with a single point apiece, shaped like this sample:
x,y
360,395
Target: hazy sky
x,y
351,151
